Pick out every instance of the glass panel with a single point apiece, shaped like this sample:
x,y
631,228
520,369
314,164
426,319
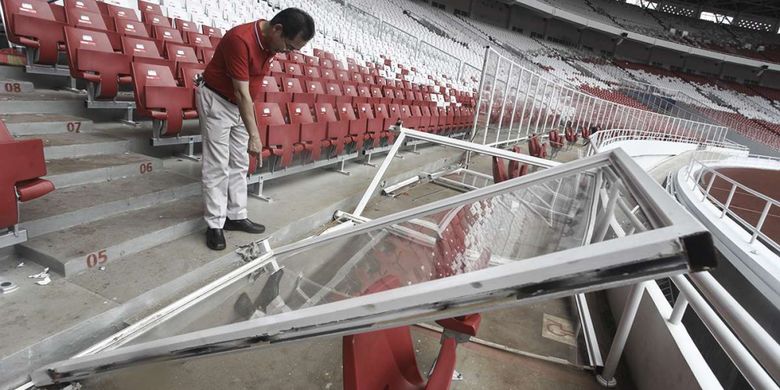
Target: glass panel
x,y
530,220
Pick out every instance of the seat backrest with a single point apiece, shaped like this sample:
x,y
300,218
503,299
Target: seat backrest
x,y
211,31
346,111
312,61
415,111
85,19
393,111
185,26
151,8
84,5
333,89
77,38
269,84
364,91
389,93
188,75
293,69
155,19
152,75
299,113
356,78
364,111
326,63
314,87
208,54
404,111
349,90
342,75
312,72
376,92
130,27
198,40
180,53
139,47
124,13
325,112
296,57
292,85
167,34
381,111
268,114
327,74
275,67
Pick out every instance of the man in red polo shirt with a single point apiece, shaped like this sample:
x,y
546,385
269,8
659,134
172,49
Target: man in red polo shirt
x,y
224,99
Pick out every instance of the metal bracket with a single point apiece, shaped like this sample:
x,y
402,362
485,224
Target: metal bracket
x,y
15,235
255,190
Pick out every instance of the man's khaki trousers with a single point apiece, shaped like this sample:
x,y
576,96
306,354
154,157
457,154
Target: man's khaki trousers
x,y
225,159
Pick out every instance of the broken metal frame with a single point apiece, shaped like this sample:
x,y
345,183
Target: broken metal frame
x,y
647,255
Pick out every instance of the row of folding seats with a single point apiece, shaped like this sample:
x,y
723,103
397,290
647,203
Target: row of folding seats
x,y
92,58
40,26
296,128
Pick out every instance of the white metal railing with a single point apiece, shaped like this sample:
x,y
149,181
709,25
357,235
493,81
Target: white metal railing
x,y
515,102
603,138
696,171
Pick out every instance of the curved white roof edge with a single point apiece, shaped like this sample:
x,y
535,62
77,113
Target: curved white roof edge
x,y
755,261
606,28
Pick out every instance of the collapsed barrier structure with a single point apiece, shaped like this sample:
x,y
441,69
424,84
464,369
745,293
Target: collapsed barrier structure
x,y
468,248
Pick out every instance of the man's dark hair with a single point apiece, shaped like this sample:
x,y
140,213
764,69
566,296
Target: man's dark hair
x,y
294,21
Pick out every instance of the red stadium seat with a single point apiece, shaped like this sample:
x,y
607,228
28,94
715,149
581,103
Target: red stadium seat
x,y
211,32
32,23
150,8
157,95
92,58
23,182
337,129
293,69
163,35
375,118
132,28
536,148
327,74
278,136
185,26
312,72
144,50
357,126
182,56
120,13
556,141
313,134
271,92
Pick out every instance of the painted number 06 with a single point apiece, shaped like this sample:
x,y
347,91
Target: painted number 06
x,y
146,168
94,259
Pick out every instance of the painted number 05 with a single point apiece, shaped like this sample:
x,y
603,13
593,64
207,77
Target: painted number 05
x,y
94,259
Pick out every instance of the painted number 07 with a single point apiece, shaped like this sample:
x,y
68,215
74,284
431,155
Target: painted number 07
x,y
94,259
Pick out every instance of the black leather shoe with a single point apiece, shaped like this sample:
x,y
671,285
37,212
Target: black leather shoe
x,y
244,225
215,239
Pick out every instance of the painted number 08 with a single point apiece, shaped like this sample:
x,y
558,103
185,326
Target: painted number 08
x,y
13,87
94,259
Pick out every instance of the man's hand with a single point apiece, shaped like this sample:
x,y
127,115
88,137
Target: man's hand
x,y
255,145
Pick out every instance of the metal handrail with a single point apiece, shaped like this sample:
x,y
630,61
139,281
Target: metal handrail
x,y
606,137
755,230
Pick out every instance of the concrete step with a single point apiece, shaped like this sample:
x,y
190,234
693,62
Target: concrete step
x,y
68,207
69,172
71,145
37,124
98,243
44,102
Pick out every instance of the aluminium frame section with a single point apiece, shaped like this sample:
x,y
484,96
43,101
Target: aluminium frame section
x,y
444,141
674,248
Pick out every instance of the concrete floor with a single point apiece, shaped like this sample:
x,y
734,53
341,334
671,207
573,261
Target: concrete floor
x,y
291,366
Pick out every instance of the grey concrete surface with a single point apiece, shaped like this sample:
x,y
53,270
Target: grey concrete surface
x,y
37,124
79,204
68,172
98,243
